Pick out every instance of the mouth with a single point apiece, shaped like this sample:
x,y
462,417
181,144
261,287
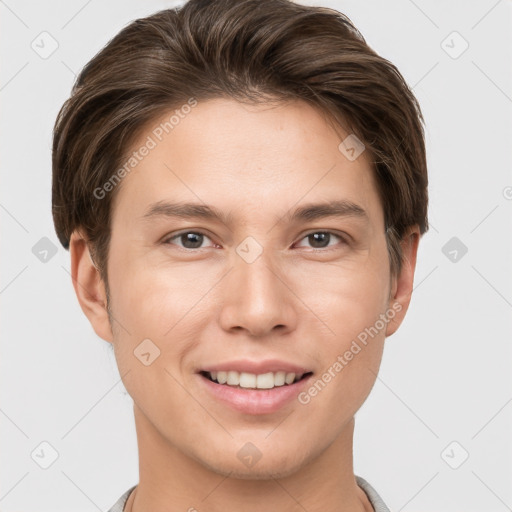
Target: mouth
x,y
262,381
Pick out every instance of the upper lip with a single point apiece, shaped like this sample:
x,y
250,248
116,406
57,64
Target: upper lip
x,y
256,367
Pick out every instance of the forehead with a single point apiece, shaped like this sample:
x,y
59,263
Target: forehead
x,y
253,158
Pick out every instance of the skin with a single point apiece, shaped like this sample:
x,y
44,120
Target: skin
x,y
208,305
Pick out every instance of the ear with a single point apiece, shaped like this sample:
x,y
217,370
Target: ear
x,y
89,287
402,285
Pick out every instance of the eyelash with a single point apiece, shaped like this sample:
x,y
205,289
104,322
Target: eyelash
x,y
168,240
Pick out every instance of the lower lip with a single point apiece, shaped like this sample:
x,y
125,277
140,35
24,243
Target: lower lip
x,y
255,401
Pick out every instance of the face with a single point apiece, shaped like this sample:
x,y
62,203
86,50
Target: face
x,y
257,292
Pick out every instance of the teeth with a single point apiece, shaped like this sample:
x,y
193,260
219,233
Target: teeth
x,y
265,381
279,378
290,377
233,378
247,380
250,380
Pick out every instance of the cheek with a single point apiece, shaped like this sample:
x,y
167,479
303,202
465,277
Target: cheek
x,y
148,298
350,304
352,346
158,304
345,298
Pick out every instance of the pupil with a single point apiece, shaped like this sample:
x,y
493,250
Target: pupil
x,y
189,237
324,237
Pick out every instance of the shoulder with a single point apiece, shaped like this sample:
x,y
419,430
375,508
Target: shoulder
x,y
120,503
374,498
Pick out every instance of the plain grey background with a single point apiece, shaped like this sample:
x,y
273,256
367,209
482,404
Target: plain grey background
x,y
435,432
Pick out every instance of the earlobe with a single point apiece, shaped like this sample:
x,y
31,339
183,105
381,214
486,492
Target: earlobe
x,y
89,287
402,287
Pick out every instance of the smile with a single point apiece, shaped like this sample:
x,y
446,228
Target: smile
x,y
253,393
247,380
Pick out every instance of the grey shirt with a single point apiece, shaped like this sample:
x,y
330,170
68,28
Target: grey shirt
x,y
376,501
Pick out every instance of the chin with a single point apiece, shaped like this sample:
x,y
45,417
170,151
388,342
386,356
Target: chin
x,y
255,473
276,467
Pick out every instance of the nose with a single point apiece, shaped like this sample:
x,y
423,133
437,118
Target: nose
x,y
258,300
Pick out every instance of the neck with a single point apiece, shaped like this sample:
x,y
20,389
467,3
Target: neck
x,y
170,480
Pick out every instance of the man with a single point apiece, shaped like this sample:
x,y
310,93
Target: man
x,y
242,186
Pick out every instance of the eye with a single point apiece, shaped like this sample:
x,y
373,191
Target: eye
x,y
189,239
321,239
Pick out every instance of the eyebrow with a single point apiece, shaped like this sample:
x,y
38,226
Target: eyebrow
x,y
307,212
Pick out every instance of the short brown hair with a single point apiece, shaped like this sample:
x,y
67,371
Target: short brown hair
x,y
248,50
